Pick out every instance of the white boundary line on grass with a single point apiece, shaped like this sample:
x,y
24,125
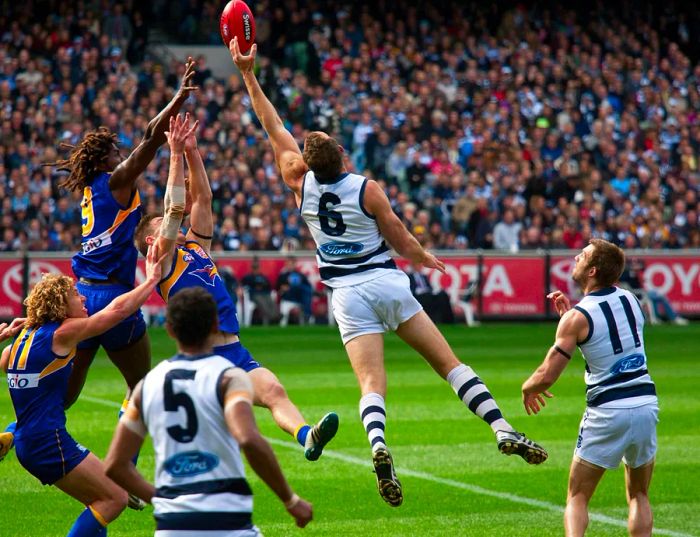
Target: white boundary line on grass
x,y
475,489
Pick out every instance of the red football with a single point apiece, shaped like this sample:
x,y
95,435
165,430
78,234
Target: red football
x,y
237,20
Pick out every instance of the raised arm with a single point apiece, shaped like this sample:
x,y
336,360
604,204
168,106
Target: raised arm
x,y
123,179
11,330
392,229
127,441
74,330
201,218
285,148
237,391
573,327
175,196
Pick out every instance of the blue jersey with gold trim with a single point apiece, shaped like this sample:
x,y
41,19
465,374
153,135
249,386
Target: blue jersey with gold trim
x,y
107,247
192,267
38,379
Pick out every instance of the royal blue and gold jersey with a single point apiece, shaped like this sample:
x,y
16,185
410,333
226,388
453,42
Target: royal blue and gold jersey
x,y
192,267
107,248
38,379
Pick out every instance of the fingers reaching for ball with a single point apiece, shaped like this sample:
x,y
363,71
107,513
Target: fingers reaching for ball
x,y
244,62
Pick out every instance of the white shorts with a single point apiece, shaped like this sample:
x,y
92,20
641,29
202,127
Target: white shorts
x,y
609,435
374,306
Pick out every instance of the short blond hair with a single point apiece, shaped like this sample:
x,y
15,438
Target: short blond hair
x,y
48,301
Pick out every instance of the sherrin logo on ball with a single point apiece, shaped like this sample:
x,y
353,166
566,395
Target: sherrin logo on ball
x,y
237,21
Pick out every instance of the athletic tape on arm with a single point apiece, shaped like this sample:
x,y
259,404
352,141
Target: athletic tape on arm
x,y
174,211
132,421
239,388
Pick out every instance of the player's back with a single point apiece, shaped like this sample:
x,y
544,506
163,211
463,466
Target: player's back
x,y
37,379
107,246
351,248
200,478
192,267
616,362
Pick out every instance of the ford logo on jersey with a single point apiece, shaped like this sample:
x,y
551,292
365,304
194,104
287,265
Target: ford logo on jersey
x,y
341,248
635,361
191,463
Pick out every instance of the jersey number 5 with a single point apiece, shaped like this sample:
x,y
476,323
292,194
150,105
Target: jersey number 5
x,y
326,215
86,211
173,401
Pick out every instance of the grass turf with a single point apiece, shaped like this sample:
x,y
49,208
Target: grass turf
x,y
455,481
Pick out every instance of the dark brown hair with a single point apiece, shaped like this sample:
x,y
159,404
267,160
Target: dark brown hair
x,y
609,261
143,229
192,316
323,156
87,158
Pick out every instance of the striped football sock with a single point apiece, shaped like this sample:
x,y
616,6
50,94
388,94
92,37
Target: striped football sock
x,y
373,414
474,393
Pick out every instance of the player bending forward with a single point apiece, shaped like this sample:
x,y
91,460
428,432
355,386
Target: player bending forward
x,y
197,408
187,264
621,406
351,221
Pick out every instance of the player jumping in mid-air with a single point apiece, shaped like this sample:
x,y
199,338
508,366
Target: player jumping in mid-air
x,y
38,365
621,405
351,221
188,264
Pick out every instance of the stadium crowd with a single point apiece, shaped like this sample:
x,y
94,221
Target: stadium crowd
x,y
490,127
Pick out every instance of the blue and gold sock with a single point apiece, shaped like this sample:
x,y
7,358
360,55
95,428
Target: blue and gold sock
x,y
301,433
89,524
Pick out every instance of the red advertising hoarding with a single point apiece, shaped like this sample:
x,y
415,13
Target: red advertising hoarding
x,y
511,286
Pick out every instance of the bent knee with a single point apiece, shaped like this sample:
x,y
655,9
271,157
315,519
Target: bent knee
x,y
271,393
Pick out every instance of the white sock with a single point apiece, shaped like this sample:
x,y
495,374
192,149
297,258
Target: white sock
x,y
474,393
373,414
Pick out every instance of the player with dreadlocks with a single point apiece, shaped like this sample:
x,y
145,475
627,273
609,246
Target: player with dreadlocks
x,y
106,264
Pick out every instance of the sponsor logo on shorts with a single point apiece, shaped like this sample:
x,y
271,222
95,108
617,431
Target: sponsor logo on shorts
x,y
628,363
341,248
17,381
191,463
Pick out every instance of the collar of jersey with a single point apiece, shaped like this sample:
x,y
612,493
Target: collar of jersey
x,y
190,357
602,292
325,181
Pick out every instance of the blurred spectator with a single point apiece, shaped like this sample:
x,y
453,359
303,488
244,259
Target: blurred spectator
x,y
259,292
294,291
436,304
659,306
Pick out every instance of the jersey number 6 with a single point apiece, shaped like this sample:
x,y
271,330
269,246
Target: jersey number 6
x,y
325,215
173,401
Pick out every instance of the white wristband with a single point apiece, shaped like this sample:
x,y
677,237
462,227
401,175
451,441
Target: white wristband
x,y
291,503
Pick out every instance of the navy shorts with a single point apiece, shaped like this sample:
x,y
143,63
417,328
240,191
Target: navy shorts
x,y
238,355
97,298
50,455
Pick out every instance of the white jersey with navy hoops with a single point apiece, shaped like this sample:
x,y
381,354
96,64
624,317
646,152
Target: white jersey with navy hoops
x,y
200,481
616,362
351,249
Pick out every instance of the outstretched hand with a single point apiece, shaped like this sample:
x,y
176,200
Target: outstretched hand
x,y
186,84
560,301
12,330
154,260
430,261
244,62
179,131
534,402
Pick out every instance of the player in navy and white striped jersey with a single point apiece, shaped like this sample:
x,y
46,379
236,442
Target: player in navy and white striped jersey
x,y
197,407
621,405
353,225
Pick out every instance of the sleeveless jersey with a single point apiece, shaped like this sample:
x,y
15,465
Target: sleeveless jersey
x,y
107,247
350,247
192,267
38,379
200,479
616,363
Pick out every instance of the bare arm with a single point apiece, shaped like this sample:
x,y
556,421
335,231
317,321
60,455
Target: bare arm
x,y
238,412
572,327
127,441
285,148
11,330
393,230
201,218
74,330
123,179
